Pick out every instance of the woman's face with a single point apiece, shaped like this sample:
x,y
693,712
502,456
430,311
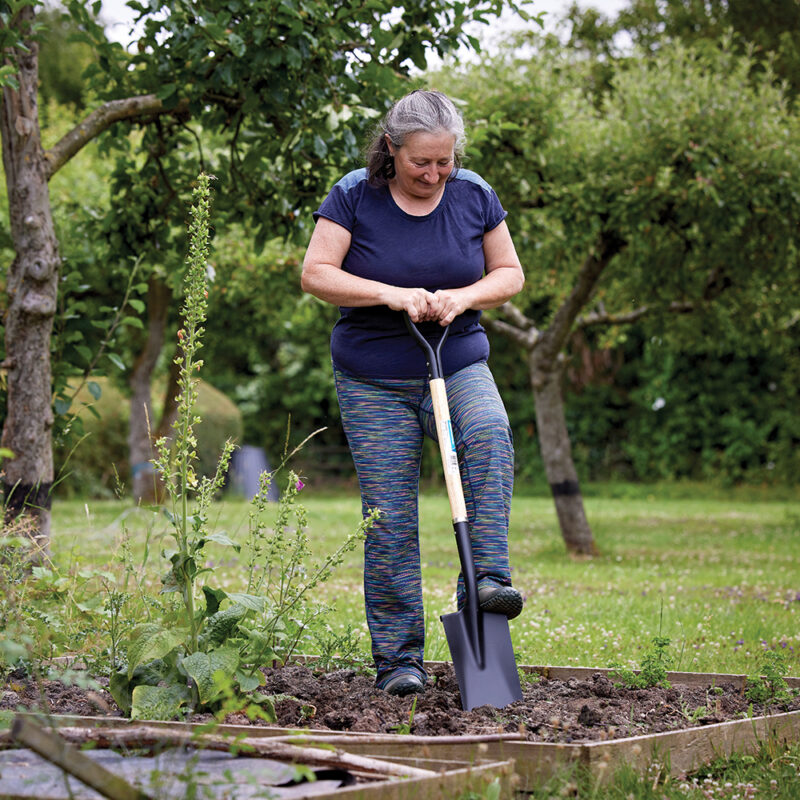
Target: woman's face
x,y
424,163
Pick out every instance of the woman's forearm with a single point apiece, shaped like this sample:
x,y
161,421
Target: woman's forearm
x,y
494,289
334,285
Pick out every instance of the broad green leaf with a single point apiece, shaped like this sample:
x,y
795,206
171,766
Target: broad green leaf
x,y
249,601
158,702
201,667
119,686
214,598
94,389
149,642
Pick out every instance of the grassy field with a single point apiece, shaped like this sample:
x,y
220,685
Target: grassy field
x,y
719,574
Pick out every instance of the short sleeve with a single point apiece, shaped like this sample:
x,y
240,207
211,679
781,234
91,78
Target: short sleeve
x,y
339,205
491,211
494,212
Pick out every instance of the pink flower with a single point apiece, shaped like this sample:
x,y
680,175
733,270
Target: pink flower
x,y
299,485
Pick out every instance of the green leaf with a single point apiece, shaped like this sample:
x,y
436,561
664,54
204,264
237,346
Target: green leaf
x,y
201,667
214,598
158,702
247,683
116,360
120,687
167,90
133,322
137,305
84,351
221,625
237,45
149,642
61,406
267,703
94,389
249,601
320,148
222,538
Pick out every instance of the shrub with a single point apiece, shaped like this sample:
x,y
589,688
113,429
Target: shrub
x,y
88,460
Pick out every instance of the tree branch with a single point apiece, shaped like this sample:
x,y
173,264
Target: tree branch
x,y
101,119
559,329
523,331
602,317
525,338
516,316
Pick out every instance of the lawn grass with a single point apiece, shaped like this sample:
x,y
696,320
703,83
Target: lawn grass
x,y
718,575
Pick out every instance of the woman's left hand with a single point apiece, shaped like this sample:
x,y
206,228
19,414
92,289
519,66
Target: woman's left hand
x,y
452,302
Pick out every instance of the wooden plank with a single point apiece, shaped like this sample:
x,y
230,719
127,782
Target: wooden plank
x,y
583,673
446,786
683,678
680,752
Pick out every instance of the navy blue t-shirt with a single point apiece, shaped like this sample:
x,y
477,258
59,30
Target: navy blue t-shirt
x,y
441,250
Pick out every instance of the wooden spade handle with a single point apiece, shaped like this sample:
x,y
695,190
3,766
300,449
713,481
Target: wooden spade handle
x,y
447,447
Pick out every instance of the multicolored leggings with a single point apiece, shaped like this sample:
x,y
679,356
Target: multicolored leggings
x,y
385,421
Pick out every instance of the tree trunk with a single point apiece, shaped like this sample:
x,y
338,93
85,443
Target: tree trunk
x,y
551,424
32,285
142,432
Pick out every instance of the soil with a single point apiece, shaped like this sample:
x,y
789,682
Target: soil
x,y
551,710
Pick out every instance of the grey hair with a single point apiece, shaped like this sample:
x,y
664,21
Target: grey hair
x,y
420,111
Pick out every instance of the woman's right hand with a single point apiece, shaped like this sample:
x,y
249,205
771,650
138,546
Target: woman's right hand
x,y
420,304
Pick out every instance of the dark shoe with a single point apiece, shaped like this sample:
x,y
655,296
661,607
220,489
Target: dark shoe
x,y
500,600
403,684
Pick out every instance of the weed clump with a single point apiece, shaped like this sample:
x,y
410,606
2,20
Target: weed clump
x,y
653,669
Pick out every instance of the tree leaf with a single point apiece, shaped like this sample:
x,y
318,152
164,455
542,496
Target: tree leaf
x,y
237,45
94,389
116,360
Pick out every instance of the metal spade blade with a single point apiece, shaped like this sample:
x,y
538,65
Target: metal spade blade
x,y
487,674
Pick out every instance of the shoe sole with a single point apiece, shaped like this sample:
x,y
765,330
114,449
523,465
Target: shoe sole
x,y
404,686
507,601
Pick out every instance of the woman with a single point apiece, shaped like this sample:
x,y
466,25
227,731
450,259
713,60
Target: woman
x,y
412,232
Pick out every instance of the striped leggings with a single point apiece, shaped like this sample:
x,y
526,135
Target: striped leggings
x,y
385,421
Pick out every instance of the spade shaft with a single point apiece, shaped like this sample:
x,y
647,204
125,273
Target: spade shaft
x,y
480,643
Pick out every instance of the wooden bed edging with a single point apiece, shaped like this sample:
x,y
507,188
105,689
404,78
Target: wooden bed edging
x,y
558,673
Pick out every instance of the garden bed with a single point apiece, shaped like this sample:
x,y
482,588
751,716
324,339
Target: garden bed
x,y
566,715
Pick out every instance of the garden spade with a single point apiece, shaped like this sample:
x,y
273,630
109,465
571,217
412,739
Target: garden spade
x,y
480,643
